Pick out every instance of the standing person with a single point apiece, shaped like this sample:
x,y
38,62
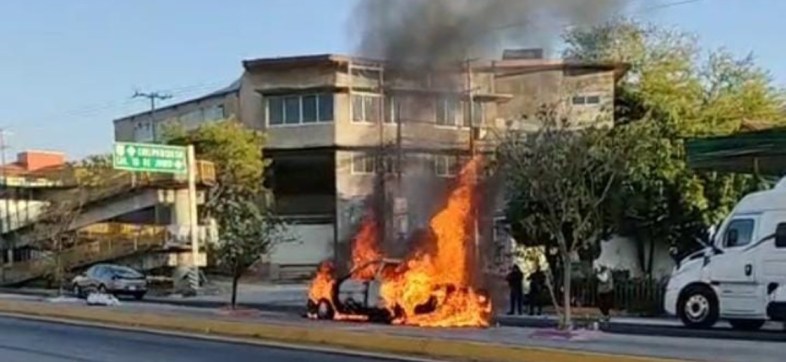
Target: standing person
x,y
515,280
537,282
605,291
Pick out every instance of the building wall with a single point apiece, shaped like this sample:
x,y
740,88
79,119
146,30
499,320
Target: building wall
x,y
619,253
262,84
139,128
556,88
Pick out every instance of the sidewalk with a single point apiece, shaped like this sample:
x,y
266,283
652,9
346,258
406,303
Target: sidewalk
x,y
496,343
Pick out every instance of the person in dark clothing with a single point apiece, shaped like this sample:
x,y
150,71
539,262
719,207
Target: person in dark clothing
x,y
537,282
515,282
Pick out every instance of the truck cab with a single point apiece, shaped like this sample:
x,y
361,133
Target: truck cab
x,y
739,276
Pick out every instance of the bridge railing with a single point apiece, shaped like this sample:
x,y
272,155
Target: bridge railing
x,y
112,183
95,244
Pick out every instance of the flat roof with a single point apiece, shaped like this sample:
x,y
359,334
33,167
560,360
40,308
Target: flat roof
x,y
482,64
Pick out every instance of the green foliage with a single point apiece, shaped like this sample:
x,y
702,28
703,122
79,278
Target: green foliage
x,y
248,233
672,92
236,151
559,179
248,229
93,170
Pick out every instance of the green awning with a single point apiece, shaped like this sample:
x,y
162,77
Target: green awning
x,y
763,152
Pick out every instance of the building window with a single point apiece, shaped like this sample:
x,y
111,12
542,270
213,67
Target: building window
x,y
391,111
310,113
366,108
214,113
391,165
445,166
585,100
300,109
275,111
449,165
448,111
363,163
325,107
292,110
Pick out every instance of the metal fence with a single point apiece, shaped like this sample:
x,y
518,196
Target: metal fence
x,y
635,296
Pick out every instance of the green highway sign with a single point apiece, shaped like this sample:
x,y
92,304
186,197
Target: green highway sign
x,y
148,157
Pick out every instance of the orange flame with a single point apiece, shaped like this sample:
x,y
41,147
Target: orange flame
x,y
442,278
365,248
433,287
322,285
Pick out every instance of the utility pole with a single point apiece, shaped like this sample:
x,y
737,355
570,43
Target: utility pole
x,y
152,97
473,153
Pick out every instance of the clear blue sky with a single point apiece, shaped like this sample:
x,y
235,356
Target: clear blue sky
x,y
67,68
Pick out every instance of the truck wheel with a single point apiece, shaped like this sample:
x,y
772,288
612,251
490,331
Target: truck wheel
x,y
698,307
325,310
746,324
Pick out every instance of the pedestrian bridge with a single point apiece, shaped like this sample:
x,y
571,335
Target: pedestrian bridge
x,y
138,217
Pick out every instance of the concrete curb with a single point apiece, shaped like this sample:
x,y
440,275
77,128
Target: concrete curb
x,y
368,341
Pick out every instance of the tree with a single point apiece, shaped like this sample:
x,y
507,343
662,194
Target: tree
x,y
672,92
248,233
559,179
93,170
236,152
53,232
669,80
238,201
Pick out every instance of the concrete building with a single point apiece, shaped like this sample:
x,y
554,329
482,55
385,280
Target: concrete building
x,y
335,125
152,126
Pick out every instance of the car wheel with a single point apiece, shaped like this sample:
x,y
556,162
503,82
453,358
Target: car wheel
x,y
698,307
77,291
746,324
325,310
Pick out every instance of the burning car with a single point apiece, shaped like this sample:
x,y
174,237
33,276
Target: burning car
x,y
354,296
434,286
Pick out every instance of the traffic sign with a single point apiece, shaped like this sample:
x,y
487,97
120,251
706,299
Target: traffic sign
x,y
148,157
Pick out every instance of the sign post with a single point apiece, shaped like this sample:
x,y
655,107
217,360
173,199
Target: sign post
x,y
146,157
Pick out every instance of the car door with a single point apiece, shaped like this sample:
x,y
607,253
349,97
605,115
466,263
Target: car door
x,y
94,277
732,271
773,255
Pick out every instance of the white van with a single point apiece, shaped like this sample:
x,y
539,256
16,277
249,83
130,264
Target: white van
x,y
738,276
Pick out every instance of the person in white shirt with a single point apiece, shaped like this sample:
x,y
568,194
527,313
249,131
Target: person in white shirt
x,y
605,291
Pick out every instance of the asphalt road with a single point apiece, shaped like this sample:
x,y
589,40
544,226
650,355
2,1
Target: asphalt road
x,y
25,340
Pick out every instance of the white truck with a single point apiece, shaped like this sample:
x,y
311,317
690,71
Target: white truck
x,y
741,275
